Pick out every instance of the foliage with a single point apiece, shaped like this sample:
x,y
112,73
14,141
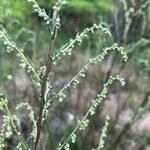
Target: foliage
x,y
96,6
48,97
77,6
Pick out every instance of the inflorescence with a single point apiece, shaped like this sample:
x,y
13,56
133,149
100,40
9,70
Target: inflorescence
x,y
82,74
83,123
11,124
104,133
24,63
41,12
68,48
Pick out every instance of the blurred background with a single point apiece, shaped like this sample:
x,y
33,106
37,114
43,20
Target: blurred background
x,y
128,107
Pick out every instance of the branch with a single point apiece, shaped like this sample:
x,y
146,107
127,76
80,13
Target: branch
x,y
54,27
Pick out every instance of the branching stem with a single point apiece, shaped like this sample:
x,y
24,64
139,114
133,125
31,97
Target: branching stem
x,y
45,78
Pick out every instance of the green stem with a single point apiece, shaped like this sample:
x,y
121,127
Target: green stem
x,y
21,139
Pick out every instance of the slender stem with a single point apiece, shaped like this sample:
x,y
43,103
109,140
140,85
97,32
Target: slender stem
x,y
43,89
77,127
45,78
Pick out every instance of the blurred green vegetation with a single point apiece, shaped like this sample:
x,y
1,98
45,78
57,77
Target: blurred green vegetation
x,y
21,10
29,32
27,29
17,16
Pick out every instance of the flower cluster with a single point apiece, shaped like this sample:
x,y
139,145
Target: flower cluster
x,y
104,92
82,73
11,46
10,123
41,12
6,130
68,48
31,116
83,123
104,133
59,3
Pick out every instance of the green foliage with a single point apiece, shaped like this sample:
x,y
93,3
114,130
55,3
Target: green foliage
x,y
47,97
90,6
10,8
75,6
